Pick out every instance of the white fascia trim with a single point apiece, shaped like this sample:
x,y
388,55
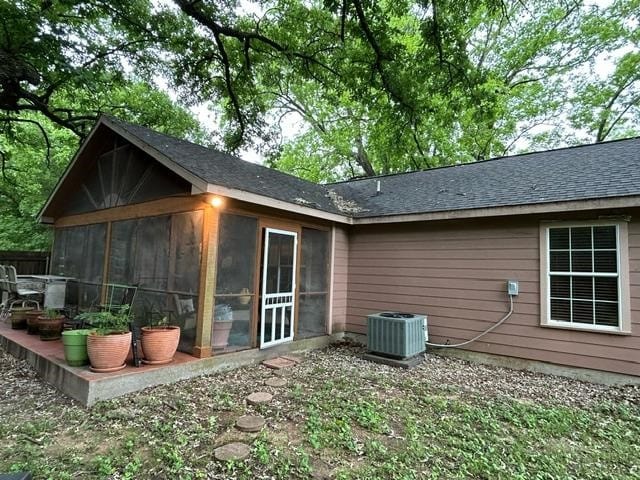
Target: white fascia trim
x,y
555,207
273,203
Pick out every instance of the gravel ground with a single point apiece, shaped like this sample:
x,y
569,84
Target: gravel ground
x,y
20,381
176,427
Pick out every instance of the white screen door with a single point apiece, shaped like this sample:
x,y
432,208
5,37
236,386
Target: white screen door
x,y
278,287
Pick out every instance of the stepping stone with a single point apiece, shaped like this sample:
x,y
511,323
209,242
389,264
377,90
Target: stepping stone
x,y
250,423
232,451
275,382
293,358
259,398
278,363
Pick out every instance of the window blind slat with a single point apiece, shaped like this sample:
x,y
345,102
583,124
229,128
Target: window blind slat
x,y
582,287
581,238
582,311
559,238
604,237
560,310
606,288
605,261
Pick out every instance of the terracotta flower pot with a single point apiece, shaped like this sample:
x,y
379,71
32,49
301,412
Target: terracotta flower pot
x,y
221,332
107,353
159,344
19,317
50,328
245,298
33,322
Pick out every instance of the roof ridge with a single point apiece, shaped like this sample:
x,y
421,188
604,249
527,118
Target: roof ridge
x,y
476,162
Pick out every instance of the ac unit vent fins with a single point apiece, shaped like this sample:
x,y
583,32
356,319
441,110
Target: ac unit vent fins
x,y
395,334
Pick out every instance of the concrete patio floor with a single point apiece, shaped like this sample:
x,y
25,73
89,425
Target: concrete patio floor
x,y
80,383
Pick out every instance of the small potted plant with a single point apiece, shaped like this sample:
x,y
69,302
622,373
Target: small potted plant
x,y
32,321
159,342
50,324
75,347
109,341
19,317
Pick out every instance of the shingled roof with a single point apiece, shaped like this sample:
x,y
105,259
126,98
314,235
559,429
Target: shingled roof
x,y
218,168
603,170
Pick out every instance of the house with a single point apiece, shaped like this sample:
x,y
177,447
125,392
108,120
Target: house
x,y
242,256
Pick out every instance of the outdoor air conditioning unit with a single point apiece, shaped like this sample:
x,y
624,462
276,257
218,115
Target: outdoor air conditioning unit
x,y
396,335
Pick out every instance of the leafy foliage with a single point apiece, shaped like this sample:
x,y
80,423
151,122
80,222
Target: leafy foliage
x,y
108,321
323,89
61,65
336,89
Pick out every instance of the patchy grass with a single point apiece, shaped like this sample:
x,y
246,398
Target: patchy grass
x,y
338,417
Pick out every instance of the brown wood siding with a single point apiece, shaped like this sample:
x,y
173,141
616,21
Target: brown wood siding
x,y
340,279
456,272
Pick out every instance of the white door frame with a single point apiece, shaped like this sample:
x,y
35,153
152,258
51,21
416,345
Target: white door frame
x,y
281,300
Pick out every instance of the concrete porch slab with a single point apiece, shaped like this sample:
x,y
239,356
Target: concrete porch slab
x,y
47,358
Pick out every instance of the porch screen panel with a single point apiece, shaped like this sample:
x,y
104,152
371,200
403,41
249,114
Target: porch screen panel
x,y
184,273
314,269
235,274
78,252
161,256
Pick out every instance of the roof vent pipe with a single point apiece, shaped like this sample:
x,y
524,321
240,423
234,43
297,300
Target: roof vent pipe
x,y
378,187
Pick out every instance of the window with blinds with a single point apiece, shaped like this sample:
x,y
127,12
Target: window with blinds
x,y
584,275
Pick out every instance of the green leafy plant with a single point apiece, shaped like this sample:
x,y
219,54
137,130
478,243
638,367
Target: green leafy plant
x,y
261,449
109,321
51,313
157,321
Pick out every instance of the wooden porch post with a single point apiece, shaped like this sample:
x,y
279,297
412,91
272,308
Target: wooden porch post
x,y
206,297
105,266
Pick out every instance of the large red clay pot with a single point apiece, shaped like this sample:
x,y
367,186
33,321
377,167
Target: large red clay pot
x,y
107,353
159,344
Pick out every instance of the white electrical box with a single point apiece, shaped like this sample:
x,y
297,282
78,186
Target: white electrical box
x,y
426,329
512,287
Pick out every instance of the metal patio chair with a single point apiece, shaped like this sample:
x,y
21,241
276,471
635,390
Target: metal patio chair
x,y
117,296
19,292
4,294
4,287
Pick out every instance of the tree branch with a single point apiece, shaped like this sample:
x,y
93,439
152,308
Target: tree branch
x,y
380,56
51,88
42,130
229,83
201,17
603,134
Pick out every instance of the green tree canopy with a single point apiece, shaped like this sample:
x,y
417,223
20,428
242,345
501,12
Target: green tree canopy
x,y
61,65
326,89
330,89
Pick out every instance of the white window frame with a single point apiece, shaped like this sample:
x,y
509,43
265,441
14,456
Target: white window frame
x,y
624,305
